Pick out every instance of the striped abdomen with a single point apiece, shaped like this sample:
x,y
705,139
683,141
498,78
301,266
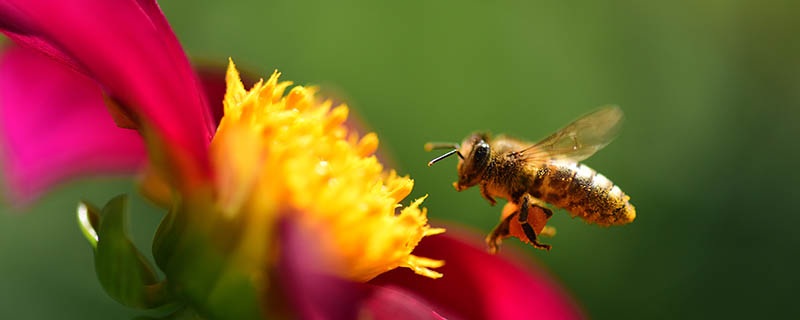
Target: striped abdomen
x,y
583,192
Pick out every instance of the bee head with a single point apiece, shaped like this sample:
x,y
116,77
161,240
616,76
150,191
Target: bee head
x,y
472,167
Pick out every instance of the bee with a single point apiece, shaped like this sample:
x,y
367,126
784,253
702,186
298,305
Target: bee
x,y
529,175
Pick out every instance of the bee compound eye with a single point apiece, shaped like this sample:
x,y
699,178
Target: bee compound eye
x,y
481,151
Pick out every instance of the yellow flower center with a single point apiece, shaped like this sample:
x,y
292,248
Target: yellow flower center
x,y
276,154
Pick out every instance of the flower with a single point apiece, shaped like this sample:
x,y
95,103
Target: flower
x,y
273,151
283,204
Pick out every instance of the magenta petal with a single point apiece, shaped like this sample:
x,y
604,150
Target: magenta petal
x,y
128,48
478,285
395,303
54,126
213,81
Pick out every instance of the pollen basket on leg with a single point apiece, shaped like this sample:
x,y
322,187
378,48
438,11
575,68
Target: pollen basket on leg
x,y
300,155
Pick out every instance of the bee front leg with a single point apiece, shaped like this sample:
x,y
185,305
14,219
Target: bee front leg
x,y
487,196
522,218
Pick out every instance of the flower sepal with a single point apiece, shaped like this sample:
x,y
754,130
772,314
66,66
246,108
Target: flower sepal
x,y
123,272
201,255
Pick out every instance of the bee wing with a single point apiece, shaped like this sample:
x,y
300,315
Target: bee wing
x,y
580,139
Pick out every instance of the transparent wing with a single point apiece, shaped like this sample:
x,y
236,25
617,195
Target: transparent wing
x,y
580,139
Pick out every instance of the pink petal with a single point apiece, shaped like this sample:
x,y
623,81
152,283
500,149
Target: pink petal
x,y
54,126
213,81
478,285
128,48
395,303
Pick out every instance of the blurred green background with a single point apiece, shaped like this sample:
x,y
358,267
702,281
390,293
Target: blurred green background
x,y
711,91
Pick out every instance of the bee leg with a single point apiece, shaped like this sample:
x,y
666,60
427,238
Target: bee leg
x,y
487,196
542,205
500,232
547,211
522,218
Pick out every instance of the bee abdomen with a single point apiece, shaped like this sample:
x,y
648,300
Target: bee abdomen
x,y
583,192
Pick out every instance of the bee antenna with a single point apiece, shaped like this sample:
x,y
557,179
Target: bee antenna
x,y
440,145
449,153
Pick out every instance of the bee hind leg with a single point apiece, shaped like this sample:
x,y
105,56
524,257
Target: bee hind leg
x,y
500,232
535,202
522,218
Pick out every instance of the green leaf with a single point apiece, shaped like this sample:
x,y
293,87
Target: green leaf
x,y
123,272
168,236
88,221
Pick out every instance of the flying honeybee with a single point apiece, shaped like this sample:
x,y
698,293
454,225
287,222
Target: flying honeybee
x,y
528,174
